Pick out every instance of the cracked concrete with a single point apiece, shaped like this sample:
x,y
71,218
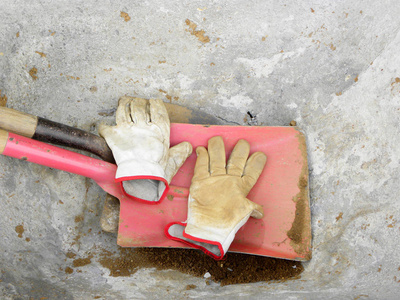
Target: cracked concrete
x,y
332,66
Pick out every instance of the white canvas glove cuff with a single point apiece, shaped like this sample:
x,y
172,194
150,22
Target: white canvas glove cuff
x,y
213,241
147,180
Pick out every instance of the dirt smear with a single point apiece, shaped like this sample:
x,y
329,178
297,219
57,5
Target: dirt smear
x,y
70,255
3,100
236,268
80,262
190,287
300,233
197,33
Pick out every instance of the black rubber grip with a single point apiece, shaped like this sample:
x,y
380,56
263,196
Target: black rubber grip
x,y
60,134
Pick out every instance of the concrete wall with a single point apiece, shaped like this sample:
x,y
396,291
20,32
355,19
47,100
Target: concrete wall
x,y
332,66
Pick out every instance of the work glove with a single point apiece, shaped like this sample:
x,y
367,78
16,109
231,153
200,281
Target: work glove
x,y
217,205
140,145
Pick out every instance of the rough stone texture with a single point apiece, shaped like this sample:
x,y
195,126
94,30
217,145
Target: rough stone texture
x,y
332,66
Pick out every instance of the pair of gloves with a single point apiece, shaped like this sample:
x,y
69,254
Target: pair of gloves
x,y
217,204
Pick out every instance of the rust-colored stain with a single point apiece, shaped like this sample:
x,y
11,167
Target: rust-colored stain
x,y
339,216
393,221
20,230
339,94
78,218
356,79
3,99
70,255
69,76
72,77
197,33
17,35
264,38
365,226
40,53
162,61
395,83
68,270
333,48
169,97
361,295
33,73
312,10
125,16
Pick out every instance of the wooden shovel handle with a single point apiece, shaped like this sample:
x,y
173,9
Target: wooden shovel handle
x,y
52,132
17,122
3,140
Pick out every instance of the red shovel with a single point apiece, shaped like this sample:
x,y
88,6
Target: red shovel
x,y
48,131
282,188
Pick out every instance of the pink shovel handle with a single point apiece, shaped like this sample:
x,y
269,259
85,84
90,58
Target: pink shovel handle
x,y
54,157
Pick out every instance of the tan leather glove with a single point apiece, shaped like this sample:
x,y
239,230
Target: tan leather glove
x,y
140,145
217,205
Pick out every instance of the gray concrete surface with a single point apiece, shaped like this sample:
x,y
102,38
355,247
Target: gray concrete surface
x,y
333,66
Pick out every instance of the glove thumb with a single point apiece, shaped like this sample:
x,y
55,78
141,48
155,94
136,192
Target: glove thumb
x,y
104,130
256,210
177,155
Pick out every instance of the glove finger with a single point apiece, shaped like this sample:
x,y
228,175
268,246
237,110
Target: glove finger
x,y
139,110
104,130
216,151
177,155
201,169
252,170
158,112
122,115
159,117
238,158
257,210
